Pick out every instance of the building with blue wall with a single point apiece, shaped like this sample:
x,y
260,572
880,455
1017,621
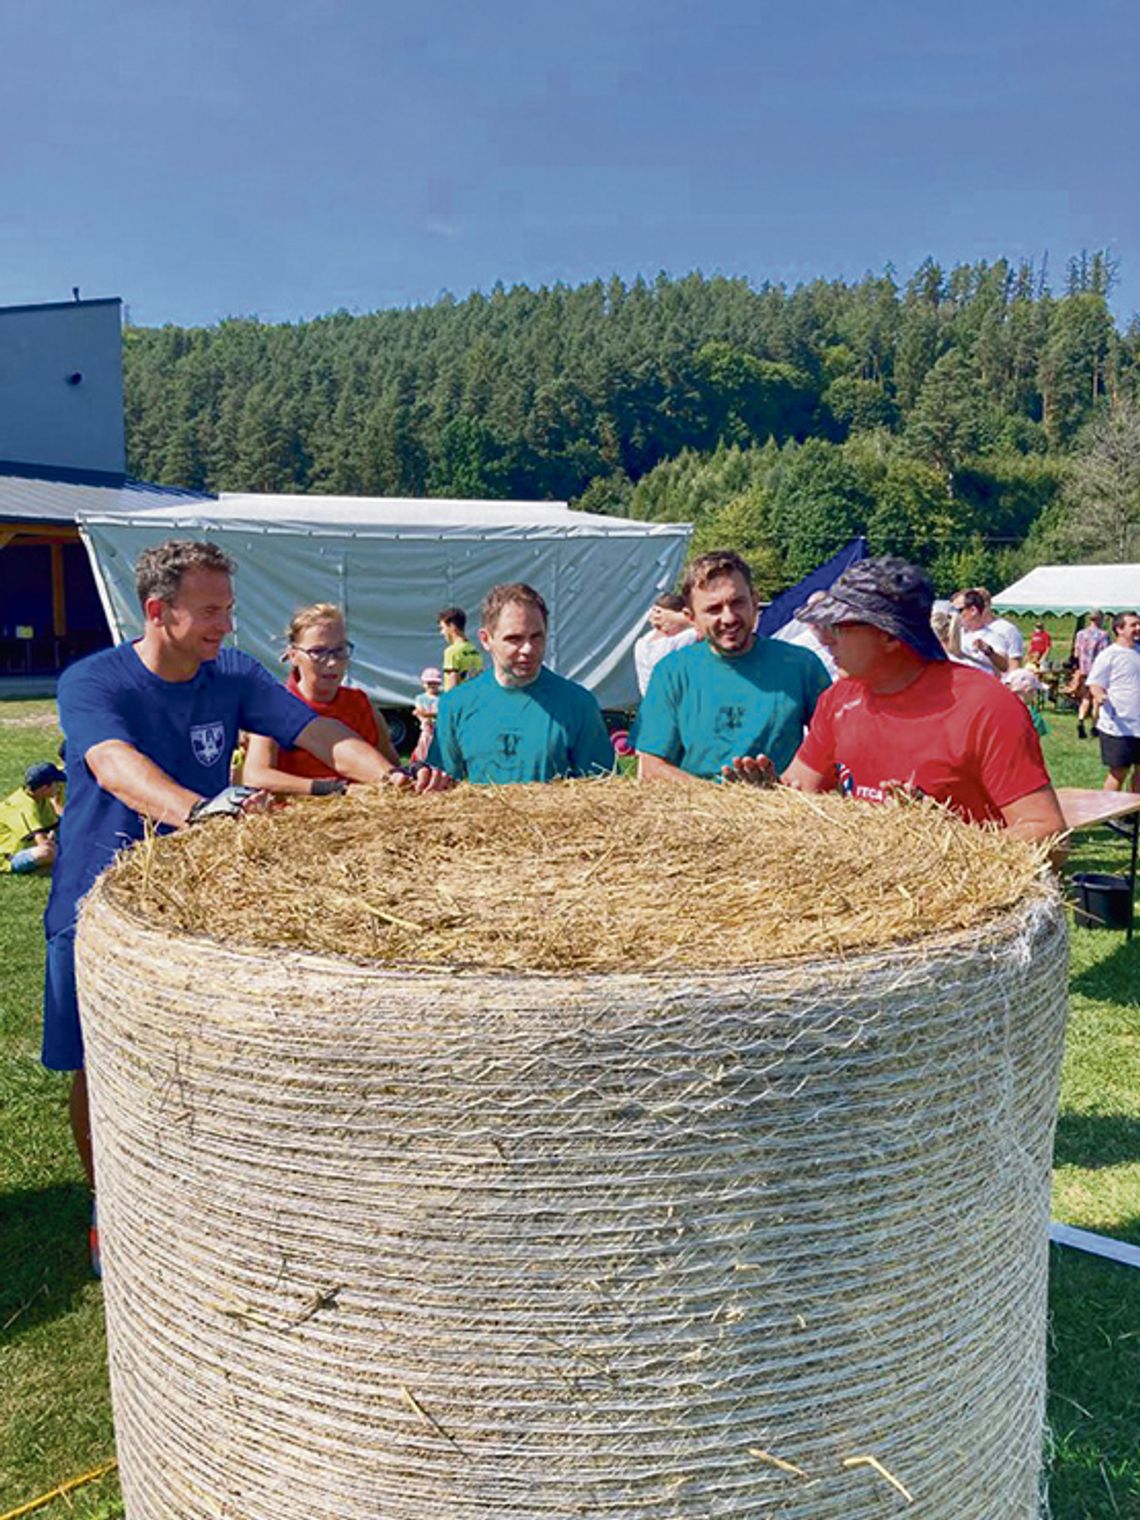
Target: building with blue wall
x,y
62,451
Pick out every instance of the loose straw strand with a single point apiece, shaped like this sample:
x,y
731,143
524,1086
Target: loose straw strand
x,y
62,1489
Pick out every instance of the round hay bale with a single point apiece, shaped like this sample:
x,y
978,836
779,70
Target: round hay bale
x,y
407,1240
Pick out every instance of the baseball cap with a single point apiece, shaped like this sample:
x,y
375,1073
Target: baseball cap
x,y
887,592
1023,680
43,773
431,673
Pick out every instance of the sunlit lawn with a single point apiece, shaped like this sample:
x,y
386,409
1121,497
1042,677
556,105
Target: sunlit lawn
x,y
55,1420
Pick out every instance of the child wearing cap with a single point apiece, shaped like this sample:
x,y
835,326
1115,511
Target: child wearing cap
x,y
28,819
427,709
1025,684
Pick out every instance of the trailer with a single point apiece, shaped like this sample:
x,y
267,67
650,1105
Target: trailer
x,y
393,563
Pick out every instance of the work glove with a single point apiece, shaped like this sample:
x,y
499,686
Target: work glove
x,y
229,803
328,786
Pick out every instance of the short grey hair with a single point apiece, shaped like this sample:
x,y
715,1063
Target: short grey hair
x,y
159,569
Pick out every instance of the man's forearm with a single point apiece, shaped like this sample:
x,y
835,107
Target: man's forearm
x,y
139,784
997,659
801,777
345,751
653,768
1038,816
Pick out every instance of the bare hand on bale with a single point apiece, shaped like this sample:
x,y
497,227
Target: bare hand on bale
x,y
753,770
420,777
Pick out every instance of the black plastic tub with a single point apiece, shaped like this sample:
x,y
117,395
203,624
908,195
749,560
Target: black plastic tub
x,y
1101,902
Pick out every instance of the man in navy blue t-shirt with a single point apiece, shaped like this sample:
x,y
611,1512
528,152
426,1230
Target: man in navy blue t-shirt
x,y
150,728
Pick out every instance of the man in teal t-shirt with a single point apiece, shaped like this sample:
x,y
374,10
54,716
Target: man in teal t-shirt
x,y
730,696
518,721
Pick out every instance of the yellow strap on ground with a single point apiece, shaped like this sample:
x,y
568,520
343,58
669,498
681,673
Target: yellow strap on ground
x,y
64,1488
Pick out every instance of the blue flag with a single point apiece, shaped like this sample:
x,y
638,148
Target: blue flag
x,y
783,609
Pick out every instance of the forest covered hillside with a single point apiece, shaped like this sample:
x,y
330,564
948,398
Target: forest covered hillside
x,y
949,416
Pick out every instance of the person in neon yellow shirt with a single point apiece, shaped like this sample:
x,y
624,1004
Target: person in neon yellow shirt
x,y
461,659
28,819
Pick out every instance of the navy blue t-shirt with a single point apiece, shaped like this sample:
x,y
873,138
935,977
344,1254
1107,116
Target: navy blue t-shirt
x,y
188,728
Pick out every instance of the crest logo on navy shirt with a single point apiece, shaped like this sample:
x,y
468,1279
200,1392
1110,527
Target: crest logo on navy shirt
x,y
208,741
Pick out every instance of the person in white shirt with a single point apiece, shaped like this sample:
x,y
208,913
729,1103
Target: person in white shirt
x,y
988,643
1114,685
947,626
803,634
670,627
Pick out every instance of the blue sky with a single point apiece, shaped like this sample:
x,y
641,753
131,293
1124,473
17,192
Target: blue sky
x,y
208,158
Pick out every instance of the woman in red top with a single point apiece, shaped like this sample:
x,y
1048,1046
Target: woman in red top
x,y
319,652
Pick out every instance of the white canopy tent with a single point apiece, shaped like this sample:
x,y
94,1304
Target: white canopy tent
x,y
393,563
1073,589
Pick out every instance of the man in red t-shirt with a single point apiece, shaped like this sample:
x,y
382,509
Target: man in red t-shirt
x,y
1040,642
905,717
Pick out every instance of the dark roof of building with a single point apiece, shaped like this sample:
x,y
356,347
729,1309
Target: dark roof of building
x,y
41,493
55,305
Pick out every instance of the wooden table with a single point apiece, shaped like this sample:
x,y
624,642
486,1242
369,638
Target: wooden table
x,y
1084,810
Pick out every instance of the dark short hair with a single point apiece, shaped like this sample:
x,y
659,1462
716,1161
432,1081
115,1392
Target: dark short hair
x,y
1118,620
455,616
711,567
670,601
159,569
511,591
974,598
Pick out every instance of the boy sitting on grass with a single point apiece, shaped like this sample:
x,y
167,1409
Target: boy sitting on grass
x,y
28,819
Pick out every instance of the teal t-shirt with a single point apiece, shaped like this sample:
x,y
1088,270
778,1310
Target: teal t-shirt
x,y
489,733
703,709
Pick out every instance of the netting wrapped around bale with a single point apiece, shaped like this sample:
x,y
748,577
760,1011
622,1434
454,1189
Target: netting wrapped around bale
x,y
696,1226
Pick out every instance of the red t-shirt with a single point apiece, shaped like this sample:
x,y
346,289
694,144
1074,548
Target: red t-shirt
x,y
1040,641
954,734
351,707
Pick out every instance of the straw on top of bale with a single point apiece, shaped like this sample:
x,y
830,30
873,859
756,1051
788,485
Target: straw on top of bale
x,y
579,876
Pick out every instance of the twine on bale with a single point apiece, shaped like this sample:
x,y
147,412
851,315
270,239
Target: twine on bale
x,y
409,1241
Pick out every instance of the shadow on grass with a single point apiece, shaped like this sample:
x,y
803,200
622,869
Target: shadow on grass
x,y
1100,849
1094,1385
1115,977
1096,1140
44,1262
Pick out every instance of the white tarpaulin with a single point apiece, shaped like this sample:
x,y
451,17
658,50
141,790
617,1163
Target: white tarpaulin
x,y
1073,588
392,564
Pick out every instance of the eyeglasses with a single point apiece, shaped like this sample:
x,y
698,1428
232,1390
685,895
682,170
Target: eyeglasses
x,y
321,656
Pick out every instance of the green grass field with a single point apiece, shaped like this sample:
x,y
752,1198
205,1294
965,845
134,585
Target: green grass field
x,y
55,1418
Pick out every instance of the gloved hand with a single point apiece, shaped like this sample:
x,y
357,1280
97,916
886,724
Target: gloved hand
x,y
328,786
229,803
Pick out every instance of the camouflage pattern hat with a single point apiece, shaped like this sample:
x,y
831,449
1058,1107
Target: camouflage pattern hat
x,y
889,594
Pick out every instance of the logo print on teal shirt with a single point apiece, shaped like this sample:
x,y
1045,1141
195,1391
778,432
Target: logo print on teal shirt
x,y
729,719
509,745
